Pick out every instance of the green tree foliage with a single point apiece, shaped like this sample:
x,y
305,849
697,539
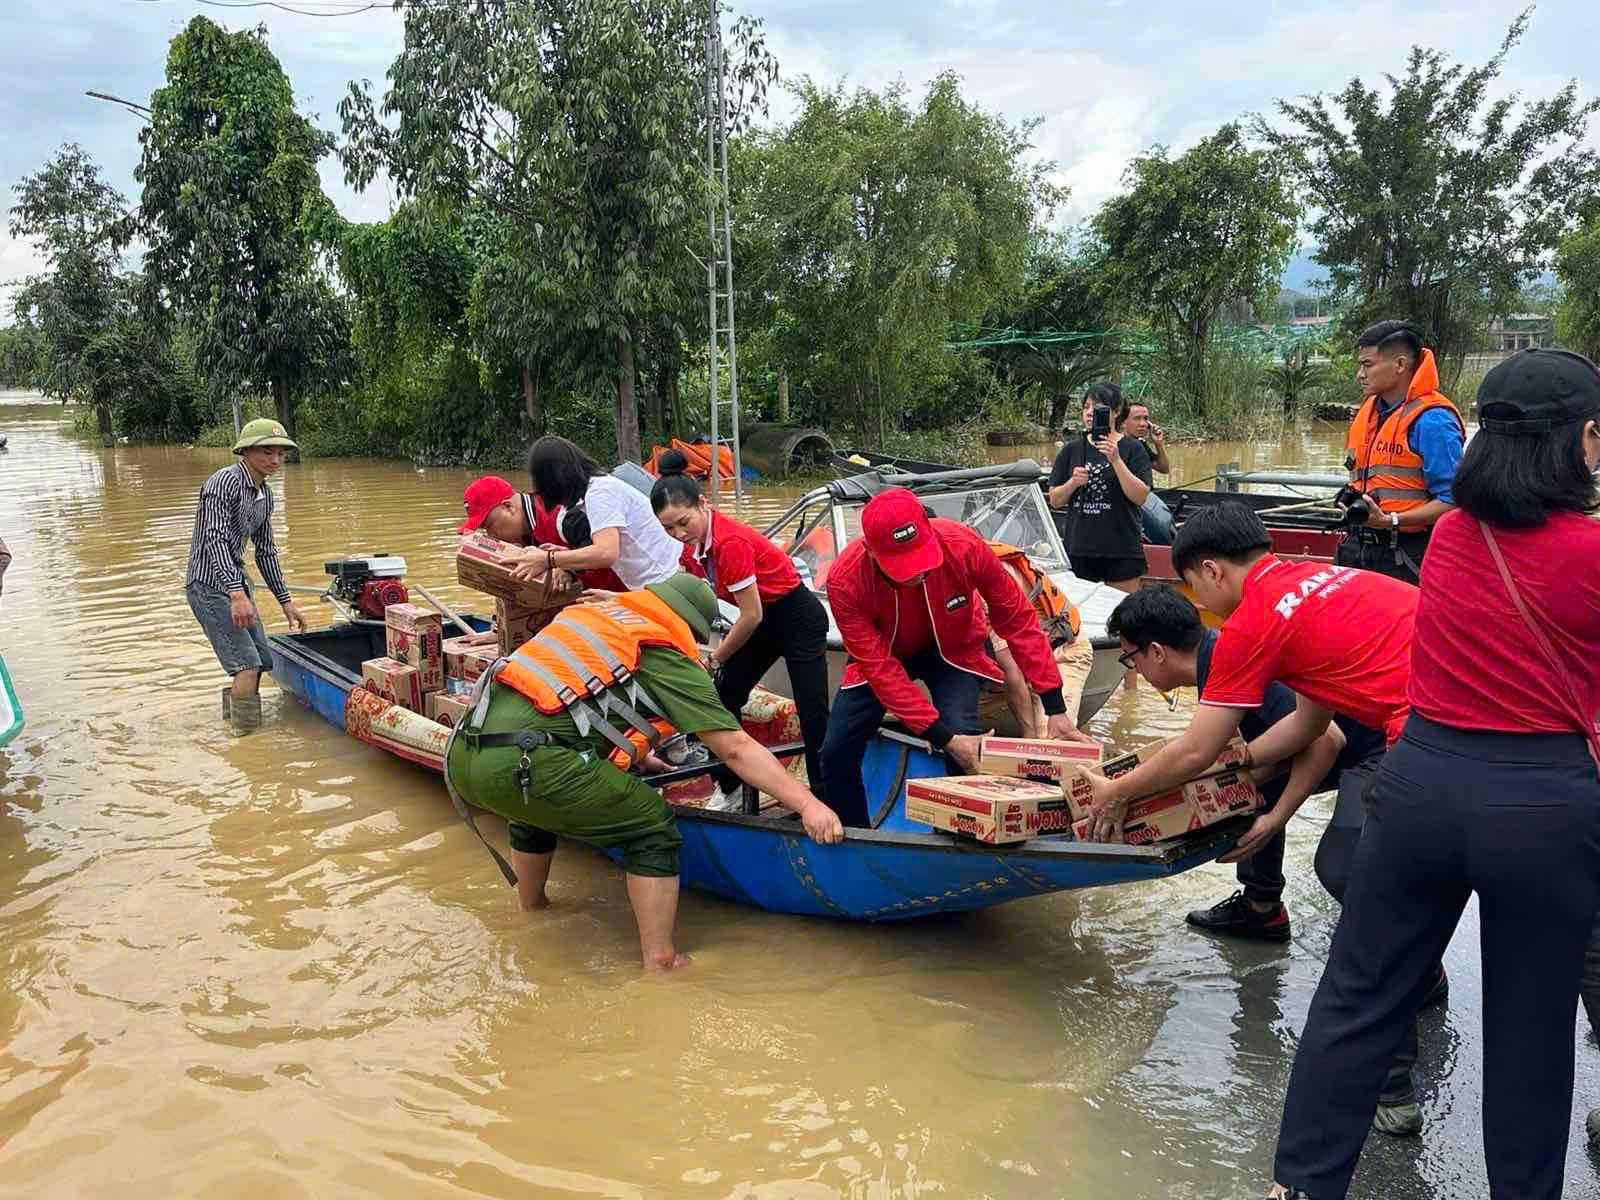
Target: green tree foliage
x,y
1195,234
1437,202
869,226
578,132
229,171
1578,268
21,356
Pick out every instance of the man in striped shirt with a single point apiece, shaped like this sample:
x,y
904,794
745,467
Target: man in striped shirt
x,y
236,504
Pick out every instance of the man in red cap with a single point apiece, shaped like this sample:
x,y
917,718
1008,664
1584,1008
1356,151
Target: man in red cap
x,y
904,597
501,511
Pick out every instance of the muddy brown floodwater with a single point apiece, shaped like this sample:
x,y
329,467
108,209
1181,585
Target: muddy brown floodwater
x,y
278,966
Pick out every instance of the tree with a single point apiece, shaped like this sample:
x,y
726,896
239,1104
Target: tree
x,y
1578,268
80,225
1437,203
229,170
1194,234
870,227
579,130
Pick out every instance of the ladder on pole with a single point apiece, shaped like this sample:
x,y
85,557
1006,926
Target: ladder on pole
x,y
723,351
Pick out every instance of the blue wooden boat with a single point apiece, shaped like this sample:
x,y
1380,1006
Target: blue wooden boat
x,y
891,872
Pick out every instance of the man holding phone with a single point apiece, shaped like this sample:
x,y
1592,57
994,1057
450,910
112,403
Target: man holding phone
x,y
1101,479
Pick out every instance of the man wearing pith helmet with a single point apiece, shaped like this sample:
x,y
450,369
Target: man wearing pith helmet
x,y
236,504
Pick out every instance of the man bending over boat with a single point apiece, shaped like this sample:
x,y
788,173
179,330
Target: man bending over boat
x,y
549,738
905,599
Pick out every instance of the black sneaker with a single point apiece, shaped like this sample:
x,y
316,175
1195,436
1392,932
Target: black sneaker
x,y
1237,917
1439,994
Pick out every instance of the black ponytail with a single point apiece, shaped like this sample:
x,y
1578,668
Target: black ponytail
x,y
674,486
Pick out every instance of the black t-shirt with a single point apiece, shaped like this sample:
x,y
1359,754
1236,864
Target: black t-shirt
x,y
1101,521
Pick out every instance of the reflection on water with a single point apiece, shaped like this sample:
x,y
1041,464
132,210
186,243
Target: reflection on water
x,y
277,966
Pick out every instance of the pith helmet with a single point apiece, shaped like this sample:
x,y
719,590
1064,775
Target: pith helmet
x,y
263,431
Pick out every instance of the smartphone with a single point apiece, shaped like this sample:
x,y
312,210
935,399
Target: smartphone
x,y
1102,421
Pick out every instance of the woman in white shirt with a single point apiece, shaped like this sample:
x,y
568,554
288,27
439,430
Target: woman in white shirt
x,y
623,531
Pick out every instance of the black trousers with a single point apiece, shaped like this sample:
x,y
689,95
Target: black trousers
x,y
1516,819
793,627
1380,550
857,713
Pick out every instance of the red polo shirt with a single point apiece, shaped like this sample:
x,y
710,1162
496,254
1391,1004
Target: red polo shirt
x,y
1337,635
733,556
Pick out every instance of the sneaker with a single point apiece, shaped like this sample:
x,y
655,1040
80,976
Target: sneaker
x,y
1439,994
1237,917
1398,1120
725,801
1279,1192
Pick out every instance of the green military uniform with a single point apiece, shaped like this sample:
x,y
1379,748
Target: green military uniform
x,y
575,791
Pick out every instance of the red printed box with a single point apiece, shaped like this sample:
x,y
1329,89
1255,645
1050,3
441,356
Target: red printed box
x,y
457,648
1043,760
414,635
394,681
1198,803
483,563
446,707
514,624
990,809
1079,796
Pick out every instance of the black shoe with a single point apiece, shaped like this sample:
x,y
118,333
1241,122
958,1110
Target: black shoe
x,y
1439,994
1237,917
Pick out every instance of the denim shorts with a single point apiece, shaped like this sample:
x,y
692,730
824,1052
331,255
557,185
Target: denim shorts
x,y
237,649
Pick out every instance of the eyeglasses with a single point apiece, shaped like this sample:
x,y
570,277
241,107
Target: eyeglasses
x,y
1127,659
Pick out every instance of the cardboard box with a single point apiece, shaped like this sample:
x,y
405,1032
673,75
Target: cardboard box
x,y
991,809
1043,760
1079,796
414,635
446,707
481,565
515,624
458,647
1198,803
394,681
475,662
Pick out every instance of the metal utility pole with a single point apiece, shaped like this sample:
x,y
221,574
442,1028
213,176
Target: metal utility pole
x,y
723,345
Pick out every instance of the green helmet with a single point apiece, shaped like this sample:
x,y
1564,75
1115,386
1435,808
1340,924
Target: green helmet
x,y
263,431
692,599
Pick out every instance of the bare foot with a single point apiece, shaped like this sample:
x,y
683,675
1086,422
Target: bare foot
x,y
667,962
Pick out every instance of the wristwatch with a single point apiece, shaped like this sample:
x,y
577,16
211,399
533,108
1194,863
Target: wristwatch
x,y
1394,520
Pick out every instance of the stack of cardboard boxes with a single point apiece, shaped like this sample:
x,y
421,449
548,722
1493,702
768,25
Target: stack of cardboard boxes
x,y
414,665
1029,787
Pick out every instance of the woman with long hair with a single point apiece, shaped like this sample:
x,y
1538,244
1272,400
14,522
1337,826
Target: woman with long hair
x,y
779,617
604,521
1493,789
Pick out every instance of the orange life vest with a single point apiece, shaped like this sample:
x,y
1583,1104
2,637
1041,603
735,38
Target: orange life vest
x,y
1057,614
699,456
1378,453
583,663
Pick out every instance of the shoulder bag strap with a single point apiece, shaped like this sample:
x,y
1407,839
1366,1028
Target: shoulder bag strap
x,y
1586,721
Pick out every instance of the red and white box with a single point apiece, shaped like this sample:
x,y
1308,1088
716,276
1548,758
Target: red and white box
x,y
447,708
458,647
394,681
515,624
1043,760
483,564
988,808
1079,797
414,635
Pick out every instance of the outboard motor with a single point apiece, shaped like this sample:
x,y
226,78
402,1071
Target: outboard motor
x,y
369,584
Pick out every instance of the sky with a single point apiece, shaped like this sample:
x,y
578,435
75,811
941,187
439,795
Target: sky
x,y
1107,80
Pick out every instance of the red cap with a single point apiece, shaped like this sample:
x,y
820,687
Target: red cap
x,y
898,535
481,496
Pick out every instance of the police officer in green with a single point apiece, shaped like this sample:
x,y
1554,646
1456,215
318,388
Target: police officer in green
x,y
541,745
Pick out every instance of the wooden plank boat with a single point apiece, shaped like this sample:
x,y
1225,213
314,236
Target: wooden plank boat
x,y
893,871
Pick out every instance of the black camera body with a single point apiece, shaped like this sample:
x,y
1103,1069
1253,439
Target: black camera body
x,y
1101,425
1357,508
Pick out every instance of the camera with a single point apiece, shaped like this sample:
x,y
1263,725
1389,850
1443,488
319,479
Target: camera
x,y
1357,508
1102,421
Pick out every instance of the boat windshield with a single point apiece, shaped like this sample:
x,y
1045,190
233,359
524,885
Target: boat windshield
x,y
999,514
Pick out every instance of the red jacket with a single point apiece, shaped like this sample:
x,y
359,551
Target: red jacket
x,y
864,608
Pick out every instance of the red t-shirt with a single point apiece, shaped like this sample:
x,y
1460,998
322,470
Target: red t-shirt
x,y
1475,666
913,627
740,556
1337,635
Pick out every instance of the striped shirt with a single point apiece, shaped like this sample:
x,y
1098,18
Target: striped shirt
x,y
232,508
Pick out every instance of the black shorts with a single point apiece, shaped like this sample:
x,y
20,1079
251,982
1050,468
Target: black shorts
x,y
1094,568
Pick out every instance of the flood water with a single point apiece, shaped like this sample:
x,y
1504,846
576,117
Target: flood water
x,y
278,966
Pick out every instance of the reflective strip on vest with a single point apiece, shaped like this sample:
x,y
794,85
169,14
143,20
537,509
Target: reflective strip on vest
x,y
1394,486
603,701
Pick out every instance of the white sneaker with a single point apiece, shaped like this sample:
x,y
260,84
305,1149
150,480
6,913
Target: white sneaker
x,y
721,801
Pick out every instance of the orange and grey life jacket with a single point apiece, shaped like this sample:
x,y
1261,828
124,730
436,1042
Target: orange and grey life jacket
x,y
583,663
1057,615
1378,452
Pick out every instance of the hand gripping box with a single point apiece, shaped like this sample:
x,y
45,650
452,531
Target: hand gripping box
x,y
1204,800
446,707
1043,760
394,681
1079,797
988,808
414,635
481,565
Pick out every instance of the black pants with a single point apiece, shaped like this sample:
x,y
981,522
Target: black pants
x,y
1516,819
857,713
793,627
1399,556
